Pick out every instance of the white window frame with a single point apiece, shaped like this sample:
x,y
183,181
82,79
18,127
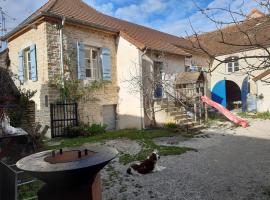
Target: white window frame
x,y
95,71
232,64
27,64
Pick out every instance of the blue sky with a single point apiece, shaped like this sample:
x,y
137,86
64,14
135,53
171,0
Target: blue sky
x,y
171,16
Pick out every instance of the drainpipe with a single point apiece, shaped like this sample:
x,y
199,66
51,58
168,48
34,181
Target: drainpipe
x,y
61,50
141,91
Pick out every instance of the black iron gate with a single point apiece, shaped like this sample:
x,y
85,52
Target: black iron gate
x,y
63,115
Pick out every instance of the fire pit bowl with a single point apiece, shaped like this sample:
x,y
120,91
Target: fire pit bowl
x,y
68,171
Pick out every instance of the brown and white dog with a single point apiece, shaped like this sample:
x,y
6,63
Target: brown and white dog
x,y
146,166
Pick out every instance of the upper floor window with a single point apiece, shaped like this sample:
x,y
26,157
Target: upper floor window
x,y
27,64
92,63
232,64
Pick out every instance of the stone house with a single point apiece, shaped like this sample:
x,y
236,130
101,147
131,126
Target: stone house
x,y
92,46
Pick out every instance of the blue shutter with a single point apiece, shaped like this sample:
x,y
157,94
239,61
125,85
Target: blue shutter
x,y
106,64
20,66
33,62
81,61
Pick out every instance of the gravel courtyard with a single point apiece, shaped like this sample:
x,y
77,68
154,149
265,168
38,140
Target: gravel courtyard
x,y
230,164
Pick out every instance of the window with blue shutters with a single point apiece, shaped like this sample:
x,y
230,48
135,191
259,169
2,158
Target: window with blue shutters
x,y
27,66
93,62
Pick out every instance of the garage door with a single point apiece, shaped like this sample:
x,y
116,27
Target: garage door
x,y
109,116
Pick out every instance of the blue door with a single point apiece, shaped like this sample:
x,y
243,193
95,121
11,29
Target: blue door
x,y
219,93
245,91
159,91
158,76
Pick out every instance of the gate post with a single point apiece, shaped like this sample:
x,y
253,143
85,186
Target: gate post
x,y
51,113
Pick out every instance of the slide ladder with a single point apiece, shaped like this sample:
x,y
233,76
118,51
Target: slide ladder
x,y
232,117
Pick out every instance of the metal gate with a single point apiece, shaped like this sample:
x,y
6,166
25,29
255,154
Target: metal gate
x,y
63,115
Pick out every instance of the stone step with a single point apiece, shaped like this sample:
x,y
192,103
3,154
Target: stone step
x,y
189,123
181,116
168,106
198,126
171,109
184,121
178,113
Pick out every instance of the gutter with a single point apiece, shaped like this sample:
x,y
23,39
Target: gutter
x,y
61,51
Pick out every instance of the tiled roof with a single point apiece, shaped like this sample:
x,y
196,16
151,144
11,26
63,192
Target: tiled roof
x,y
140,36
237,37
189,77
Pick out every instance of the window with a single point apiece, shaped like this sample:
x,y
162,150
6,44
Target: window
x,y
232,64
27,64
92,63
187,69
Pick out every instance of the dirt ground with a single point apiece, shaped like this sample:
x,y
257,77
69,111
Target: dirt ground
x,y
230,164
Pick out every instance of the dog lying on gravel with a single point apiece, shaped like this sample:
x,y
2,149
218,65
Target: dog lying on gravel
x,y
146,166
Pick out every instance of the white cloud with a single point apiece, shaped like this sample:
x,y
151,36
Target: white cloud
x,y
142,11
200,22
106,8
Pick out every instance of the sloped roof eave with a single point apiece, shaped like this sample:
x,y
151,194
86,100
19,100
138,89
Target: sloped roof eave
x,y
74,21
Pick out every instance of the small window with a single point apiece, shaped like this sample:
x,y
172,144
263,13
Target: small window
x,y
46,101
232,64
92,63
187,69
27,64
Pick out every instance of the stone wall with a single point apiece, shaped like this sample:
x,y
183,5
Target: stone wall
x,y
91,108
38,37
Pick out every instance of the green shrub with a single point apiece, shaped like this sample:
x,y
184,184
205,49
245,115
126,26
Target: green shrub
x,y
97,129
170,125
74,131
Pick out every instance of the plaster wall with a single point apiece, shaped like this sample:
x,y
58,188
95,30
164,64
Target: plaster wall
x,y
129,109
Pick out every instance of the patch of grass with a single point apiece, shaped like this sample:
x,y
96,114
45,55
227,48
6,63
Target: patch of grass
x,y
29,190
147,147
262,115
131,134
145,138
266,191
113,176
171,125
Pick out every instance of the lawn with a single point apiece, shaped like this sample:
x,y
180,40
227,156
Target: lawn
x,y
145,138
262,115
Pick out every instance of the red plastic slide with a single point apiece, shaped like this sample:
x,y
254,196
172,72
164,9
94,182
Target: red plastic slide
x,y
225,112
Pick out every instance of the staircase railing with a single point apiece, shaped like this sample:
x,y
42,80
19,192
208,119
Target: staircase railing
x,y
189,103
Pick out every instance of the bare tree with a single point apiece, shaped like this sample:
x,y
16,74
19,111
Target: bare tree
x,y
157,86
238,34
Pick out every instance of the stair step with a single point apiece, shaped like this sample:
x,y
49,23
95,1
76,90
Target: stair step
x,y
178,113
199,126
183,116
171,109
189,123
184,121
